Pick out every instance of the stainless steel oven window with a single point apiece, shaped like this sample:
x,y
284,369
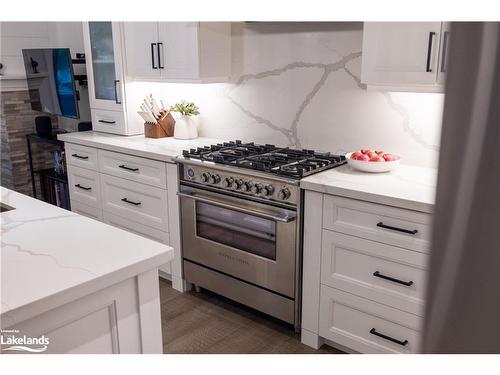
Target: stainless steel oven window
x,y
250,233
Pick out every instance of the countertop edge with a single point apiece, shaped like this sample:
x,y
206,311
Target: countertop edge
x,y
369,197
73,293
65,137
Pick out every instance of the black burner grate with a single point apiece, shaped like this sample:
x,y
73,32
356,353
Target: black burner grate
x,y
267,158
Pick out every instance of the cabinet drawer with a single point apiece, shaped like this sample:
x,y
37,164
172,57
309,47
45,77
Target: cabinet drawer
x,y
394,226
141,203
354,322
372,270
108,121
86,210
141,230
81,156
151,172
84,186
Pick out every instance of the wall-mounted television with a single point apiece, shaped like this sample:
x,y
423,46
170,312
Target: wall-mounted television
x,y
51,84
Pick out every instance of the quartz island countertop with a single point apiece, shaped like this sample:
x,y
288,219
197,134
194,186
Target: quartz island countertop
x,y
51,256
407,186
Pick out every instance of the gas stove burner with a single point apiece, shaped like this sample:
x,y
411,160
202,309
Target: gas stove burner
x,y
267,158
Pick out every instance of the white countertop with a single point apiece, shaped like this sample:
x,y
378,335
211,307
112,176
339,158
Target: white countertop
x,y
406,187
164,149
50,256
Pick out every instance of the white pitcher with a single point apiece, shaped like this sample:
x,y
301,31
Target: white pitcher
x,y
186,127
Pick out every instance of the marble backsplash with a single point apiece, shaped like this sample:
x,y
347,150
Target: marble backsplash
x,y
298,84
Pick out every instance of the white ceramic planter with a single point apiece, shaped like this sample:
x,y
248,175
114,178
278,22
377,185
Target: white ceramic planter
x,y
186,127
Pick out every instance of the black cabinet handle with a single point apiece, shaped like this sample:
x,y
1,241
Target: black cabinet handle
x,y
116,92
107,122
80,157
429,50
443,53
382,225
378,274
159,55
373,331
128,168
83,187
153,56
131,202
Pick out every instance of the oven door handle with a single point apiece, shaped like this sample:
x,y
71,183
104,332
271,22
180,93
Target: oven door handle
x,y
283,217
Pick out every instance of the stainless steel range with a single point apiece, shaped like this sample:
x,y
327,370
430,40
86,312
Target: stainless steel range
x,y
242,222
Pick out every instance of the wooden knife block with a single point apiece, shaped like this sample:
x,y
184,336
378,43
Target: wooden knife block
x,y
164,127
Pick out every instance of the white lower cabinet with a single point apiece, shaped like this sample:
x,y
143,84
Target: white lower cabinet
x,y
132,226
141,230
364,284
367,326
128,192
85,210
84,186
144,204
379,272
145,171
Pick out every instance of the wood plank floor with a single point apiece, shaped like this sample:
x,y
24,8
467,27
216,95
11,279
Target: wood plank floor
x,y
201,323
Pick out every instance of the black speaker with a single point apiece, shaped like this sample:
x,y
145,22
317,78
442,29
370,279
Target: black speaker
x,y
84,126
43,125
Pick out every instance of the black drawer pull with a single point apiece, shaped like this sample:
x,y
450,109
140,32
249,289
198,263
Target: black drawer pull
x,y
83,187
407,283
382,225
131,202
373,331
79,156
128,168
107,122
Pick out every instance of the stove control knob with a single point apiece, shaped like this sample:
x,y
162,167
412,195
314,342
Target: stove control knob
x,y
247,186
228,182
205,176
214,179
284,194
257,188
268,190
239,183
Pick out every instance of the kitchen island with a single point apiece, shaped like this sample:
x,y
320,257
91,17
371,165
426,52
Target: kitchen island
x,y
84,285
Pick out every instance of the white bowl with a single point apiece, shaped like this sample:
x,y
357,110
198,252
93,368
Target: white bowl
x,y
372,166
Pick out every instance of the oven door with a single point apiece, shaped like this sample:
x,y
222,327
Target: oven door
x,y
250,241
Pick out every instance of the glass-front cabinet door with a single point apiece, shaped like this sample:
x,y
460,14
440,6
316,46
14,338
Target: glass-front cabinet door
x,y
104,65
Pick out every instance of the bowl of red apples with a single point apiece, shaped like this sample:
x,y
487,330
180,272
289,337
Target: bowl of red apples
x,y
367,160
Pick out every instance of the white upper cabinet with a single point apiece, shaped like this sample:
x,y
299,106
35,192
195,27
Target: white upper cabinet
x,y
178,51
104,65
403,56
443,56
141,49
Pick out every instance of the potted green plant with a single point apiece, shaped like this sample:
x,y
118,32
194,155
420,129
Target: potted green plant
x,y
186,120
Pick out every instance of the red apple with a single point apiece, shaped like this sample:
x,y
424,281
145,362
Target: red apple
x,y
372,154
363,157
377,158
390,157
380,152
365,151
356,154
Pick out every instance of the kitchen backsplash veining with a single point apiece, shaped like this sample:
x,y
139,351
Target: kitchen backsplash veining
x,y
299,84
